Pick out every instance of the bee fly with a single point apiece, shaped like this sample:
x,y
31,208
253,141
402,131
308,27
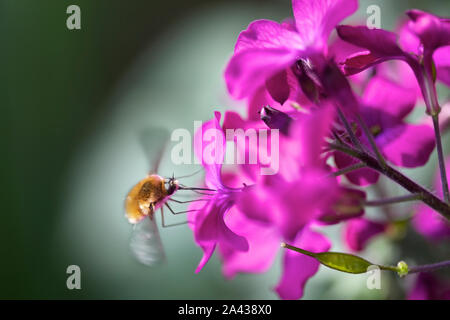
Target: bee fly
x,y
143,200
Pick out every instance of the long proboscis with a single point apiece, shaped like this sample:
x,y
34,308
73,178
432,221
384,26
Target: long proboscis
x,y
190,175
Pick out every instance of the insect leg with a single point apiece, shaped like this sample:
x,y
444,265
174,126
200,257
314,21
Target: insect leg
x,y
169,225
179,212
188,201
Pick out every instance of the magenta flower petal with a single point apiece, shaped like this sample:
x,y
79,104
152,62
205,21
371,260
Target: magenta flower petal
x,y
348,205
408,40
208,250
255,201
316,19
248,69
258,100
262,51
392,100
310,131
429,287
212,166
288,205
263,240
267,34
278,87
431,224
360,177
358,232
298,268
407,145
214,229
195,218
433,31
378,41
441,58
357,62
428,222
233,120
381,46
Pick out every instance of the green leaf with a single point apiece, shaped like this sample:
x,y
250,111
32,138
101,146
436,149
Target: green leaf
x,y
343,262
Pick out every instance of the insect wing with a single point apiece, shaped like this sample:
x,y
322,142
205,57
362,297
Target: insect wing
x,y
145,243
154,142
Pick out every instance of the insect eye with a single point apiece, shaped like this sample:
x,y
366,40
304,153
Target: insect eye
x,y
171,186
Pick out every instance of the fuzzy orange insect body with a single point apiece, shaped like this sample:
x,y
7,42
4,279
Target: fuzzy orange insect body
x,y
147,196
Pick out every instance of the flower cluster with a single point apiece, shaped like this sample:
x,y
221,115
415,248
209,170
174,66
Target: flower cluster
x,y
306,85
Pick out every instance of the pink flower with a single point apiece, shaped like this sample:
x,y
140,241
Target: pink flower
x,y
247,219
358,232
429,287
208,222
433,34
267,50
384,107
428,222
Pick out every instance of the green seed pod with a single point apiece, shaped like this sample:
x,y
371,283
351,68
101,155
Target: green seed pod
x,y
343,262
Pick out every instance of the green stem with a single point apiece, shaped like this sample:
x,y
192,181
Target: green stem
x,y
348,169
393,200
371,141
349,130
441,160
428,198
430,267
288,246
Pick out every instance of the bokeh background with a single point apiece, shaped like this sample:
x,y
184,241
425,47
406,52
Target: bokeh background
x,y
73,105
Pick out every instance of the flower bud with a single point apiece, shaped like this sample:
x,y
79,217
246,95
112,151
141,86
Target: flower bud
x,y
275,119
348,204
402,268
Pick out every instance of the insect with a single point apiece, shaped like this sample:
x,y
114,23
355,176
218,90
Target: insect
x,y
143,200
147,196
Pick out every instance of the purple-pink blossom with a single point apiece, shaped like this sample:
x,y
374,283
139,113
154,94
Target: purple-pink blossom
x,y
267,51
310,107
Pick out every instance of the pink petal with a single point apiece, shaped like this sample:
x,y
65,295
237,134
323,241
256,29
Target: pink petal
x,y
267,34
431,224
248,69
441,58
212,166
381,46
408,40
360,177
407,145
433,31
208,250
360,61
278,87
393,100
298,268
358,232
428,222
310,132
429,287
346,206
213,228
256,203
316,19
263,240
258,100
377,41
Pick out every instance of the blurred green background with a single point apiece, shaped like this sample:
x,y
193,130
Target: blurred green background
x,y
73,103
